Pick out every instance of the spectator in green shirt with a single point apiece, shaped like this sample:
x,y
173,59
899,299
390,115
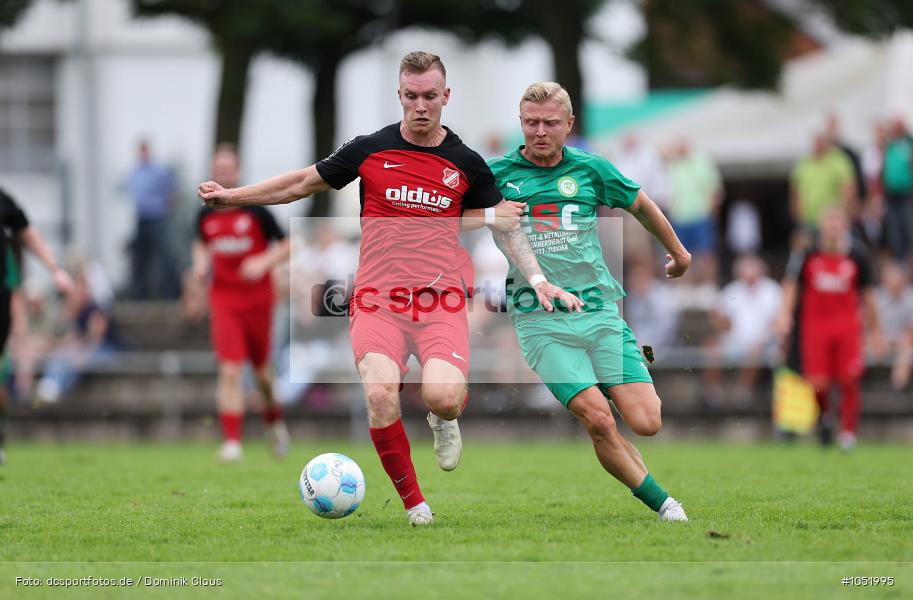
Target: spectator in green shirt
x,y
819,181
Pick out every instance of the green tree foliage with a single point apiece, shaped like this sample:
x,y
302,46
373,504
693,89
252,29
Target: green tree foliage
x,y
871,18
11,10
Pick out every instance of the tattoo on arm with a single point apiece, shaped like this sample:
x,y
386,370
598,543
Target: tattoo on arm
x,y
518,250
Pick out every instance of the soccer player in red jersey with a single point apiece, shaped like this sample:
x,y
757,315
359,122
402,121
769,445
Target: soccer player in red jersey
x,y
831,284
239,248
409,295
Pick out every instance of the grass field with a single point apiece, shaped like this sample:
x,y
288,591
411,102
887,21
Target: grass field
x,y
514,521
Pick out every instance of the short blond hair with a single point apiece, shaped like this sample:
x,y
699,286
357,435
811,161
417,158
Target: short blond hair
x,y
421,62
544,91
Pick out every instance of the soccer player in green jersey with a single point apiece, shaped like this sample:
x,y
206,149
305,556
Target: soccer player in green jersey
x,y
584,357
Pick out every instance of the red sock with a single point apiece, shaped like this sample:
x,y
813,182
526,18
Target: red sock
x,y
232,424
849,405
821,396
272,413
393,449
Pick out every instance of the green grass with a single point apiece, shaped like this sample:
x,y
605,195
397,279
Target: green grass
x,y
515,520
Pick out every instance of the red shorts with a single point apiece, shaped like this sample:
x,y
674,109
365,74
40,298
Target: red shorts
x,y
831,352
438,334
241,333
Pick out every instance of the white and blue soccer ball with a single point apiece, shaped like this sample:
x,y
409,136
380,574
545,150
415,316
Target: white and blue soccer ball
x,y
332,486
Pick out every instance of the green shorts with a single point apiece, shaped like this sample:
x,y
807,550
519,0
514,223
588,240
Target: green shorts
x,y
571,352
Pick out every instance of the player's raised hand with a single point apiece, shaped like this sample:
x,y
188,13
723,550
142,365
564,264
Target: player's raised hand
x,y
507,215
255,267
546,292
213,195
677,265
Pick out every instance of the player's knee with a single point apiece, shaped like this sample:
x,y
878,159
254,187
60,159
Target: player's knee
x,y
446,401
380,395
382,400
647,423
602,425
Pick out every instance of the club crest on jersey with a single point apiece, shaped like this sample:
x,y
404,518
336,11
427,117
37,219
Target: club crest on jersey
x,y
451,178
568,187
242,224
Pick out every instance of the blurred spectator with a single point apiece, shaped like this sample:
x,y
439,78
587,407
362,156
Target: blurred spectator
x,y
153,266
320,274
33,333
743,228
895,306
695,192
640,163
91,340
819,181
897,182
647,307
744,320
873,208
833,133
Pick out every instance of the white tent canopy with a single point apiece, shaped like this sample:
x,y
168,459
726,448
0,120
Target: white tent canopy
x,y
862,82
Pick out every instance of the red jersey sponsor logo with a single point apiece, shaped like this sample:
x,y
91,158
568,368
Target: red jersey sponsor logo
x,y
418,198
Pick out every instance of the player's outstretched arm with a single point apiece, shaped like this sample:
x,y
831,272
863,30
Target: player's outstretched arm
x,y
519,252
654,221
505,216
281,189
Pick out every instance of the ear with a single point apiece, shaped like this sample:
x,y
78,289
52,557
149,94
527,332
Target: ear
x,y
570,123
446,97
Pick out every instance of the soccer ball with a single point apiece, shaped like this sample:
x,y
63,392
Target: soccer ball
x,y
332,486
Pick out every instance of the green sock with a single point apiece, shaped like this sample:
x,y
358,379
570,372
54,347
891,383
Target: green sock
x,y
650,493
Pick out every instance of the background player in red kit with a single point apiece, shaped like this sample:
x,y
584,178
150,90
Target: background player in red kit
x,y
238,245
831,284
411,170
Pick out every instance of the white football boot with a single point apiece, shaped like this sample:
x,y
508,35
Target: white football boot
x,y
420,515
230,452
448,444
672,510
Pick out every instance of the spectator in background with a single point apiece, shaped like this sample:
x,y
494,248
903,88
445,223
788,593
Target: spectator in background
x,y
832,131
153,267
895,306
90,340
897,183
641,163
647,309
744,319
820,181
873,208
695,191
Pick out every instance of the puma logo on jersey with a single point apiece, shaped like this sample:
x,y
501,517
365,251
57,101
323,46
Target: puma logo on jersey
x,y
515,186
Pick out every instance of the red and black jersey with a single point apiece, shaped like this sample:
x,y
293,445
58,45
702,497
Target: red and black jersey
x,y
400,179
830,285
232,235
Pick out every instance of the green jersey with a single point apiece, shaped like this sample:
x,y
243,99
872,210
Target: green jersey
x,y
560,222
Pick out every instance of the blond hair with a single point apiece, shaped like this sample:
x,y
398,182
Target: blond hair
x,y
544,91
421,62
